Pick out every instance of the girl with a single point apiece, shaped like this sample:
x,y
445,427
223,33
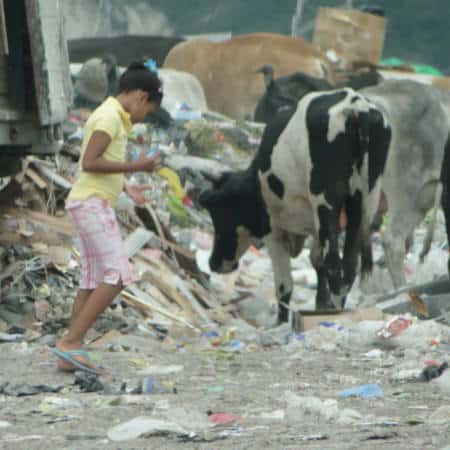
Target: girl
x,y
105,266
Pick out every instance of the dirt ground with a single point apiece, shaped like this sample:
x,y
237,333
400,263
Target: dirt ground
x,y
250,384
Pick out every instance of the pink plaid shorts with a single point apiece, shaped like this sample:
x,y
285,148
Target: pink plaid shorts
x,y
103,256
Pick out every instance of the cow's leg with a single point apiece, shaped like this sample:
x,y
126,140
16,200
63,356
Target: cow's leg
x,y
325,257
281,265
323,293
400,226
334,266
353,242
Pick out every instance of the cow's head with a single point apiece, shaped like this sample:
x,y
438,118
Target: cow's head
x,y
233,207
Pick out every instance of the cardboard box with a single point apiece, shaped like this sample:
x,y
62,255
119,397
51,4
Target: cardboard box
x,y
353,35
307,320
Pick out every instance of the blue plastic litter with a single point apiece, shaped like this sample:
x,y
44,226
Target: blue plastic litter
x,y
327,324
148,385
236,344
364,391
210,334
330,325
298,336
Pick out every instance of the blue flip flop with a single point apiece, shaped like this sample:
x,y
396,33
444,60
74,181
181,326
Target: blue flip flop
x,y
68,356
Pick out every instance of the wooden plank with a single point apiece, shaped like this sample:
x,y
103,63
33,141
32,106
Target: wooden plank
x,y
183,257
181,286
155,300
166,286
58,224
135,301
220,314
195,292
13,238
137,240
192,287
159,298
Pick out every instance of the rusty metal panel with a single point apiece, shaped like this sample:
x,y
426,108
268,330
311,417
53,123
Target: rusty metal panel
x,y
50,59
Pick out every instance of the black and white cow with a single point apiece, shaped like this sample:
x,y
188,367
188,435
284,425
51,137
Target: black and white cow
x,y
337,151
300,186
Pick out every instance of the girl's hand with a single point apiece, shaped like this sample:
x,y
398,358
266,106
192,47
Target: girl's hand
x,y
148,164
135,192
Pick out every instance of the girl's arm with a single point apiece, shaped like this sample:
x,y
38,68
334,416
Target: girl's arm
x,y
93,161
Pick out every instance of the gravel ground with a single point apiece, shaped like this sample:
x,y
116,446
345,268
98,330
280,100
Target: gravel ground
x,y
264,387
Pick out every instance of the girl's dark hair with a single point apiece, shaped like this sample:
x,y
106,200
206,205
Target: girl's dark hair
x,y
137,76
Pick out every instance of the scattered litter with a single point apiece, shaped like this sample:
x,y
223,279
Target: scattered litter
x,y
22,390
431,371
83,437
313,437
88,382
62,419
178,422
177,307
394,327
161,370
215,389
381,436
276,336
278,414
443,382
441,416
50,405
406,375
224,418
143,427
20,438
376,353
365,391
328,408
5,337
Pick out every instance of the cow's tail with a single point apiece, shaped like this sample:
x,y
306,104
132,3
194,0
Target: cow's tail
x,y
432,223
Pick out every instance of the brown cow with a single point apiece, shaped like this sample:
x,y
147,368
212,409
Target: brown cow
x,y
228,69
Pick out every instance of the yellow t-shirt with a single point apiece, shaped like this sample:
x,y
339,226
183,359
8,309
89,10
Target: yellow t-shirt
x,y
111,118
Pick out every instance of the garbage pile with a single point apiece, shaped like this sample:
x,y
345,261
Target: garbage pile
x,y
39,260
168,240
187,345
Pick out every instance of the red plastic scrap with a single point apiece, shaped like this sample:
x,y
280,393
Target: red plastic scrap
x,y
394,327
224,418
432,362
